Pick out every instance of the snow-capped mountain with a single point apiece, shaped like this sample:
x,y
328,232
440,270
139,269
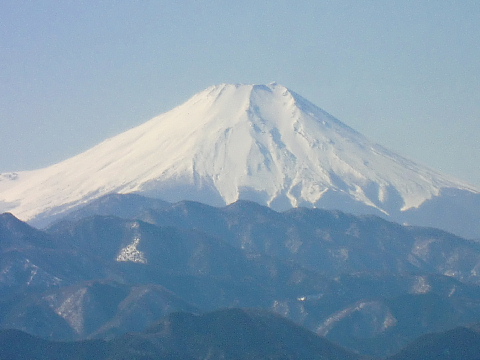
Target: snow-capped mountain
x,y
256,142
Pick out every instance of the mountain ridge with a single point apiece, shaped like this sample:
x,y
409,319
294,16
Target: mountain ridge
x,y
232,333
372,291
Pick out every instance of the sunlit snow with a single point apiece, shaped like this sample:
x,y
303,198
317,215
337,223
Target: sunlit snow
x,y
131,253
256,142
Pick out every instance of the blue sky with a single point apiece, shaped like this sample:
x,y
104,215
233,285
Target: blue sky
x,y
404,73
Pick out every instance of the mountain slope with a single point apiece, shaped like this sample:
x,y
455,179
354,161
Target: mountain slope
x,y
108,275
256,142
459,343
328,241
231,334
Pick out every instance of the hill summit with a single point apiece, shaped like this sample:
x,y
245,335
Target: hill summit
x,y
263,143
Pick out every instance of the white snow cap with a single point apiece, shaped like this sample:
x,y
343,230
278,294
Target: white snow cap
x,y
257,142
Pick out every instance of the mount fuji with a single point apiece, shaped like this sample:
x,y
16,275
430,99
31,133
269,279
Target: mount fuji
x,y
263,143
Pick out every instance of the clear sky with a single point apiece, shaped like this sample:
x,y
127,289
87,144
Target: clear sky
x,y
404,73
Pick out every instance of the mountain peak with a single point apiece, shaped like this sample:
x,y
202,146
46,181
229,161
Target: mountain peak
x,y
263,143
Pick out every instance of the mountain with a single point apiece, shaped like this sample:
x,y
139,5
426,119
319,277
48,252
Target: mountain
x,y
391,283
230,334
18,345
31,260
201,268
112,275
327,241
370,285
462,343
263,143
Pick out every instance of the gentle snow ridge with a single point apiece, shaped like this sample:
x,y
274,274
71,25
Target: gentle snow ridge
x,y
258,142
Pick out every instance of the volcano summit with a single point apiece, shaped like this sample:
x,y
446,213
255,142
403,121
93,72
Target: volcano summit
x,y
263,143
